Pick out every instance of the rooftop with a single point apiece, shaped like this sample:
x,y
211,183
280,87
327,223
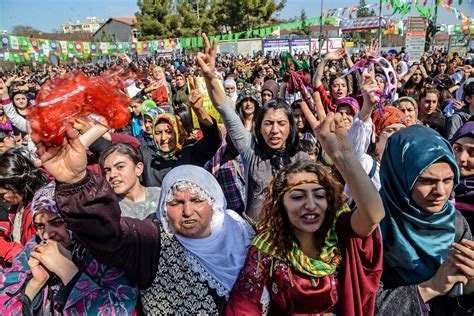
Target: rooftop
x,y
130,20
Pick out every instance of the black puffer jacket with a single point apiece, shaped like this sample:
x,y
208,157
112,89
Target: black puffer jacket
x,y
156,167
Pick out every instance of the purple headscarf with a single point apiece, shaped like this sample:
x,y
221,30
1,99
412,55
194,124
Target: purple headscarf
x,y
44,201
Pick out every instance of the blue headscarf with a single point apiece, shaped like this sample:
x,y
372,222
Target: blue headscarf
x,y
415,242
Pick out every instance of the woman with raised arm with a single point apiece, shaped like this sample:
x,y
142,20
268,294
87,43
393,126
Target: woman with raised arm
x,y
338,86
311,254
184,263
276,141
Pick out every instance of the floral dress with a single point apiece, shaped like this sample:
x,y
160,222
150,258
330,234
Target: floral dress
x,y
95,290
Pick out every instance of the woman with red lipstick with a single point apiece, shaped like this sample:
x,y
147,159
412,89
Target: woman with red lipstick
x,y
311,255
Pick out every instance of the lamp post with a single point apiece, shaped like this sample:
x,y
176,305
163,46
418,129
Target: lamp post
x,y
321,29
380,24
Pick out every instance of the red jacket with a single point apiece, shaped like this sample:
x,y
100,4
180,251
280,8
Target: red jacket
x,y
9,248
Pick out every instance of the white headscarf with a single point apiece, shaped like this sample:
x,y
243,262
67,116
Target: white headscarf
x,y
217,258
231,83
405,69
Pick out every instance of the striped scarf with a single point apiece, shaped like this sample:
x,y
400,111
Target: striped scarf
x,y
329,257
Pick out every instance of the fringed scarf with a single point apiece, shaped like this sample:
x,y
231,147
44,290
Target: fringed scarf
x,y
329,257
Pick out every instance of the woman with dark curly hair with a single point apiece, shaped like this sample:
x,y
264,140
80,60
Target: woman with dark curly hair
x,y
311,255
19,180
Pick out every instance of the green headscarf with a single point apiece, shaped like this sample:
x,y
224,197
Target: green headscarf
x,y
415,242
298,64
147,105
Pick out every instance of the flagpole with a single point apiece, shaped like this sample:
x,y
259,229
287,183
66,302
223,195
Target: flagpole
x,y
380,24
321,29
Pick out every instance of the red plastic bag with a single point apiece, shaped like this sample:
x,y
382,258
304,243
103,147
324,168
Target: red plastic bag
x,y
73,95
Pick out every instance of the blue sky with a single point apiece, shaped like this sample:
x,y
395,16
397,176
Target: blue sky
x,y
47,15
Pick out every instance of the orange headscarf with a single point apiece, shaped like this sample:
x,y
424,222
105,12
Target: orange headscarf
x,y
391,115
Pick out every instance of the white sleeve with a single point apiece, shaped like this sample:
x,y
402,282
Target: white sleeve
x,y
17,120
360,135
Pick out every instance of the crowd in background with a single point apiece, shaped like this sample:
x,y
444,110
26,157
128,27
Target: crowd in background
x,y
318,184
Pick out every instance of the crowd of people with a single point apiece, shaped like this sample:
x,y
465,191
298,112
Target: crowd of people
x,y
336,184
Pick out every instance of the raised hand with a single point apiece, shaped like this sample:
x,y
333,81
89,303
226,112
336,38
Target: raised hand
x,y
67,162
125,58
372,49
310,118
333,136
196,102
207,63
10,80
423,71
195,95
3,90
369,87
154,86
339,54
207,59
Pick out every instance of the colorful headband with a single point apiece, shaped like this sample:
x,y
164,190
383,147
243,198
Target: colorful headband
x,y
292,185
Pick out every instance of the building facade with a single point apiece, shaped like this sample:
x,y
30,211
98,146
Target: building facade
x,y
91,25
117,29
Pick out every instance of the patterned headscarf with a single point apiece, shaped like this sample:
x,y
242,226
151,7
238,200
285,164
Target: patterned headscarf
x,y
44,201
391,115
171,120
219,257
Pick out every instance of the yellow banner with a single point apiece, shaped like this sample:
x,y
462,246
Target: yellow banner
x,y
210,109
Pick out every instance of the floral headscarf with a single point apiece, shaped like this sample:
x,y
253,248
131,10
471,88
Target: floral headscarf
x,y
171,120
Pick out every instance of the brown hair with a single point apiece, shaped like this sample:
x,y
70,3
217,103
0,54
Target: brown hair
x,y
333,78
122,148
274,216
427,89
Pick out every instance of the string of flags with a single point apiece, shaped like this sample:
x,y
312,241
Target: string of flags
x,y
22,48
